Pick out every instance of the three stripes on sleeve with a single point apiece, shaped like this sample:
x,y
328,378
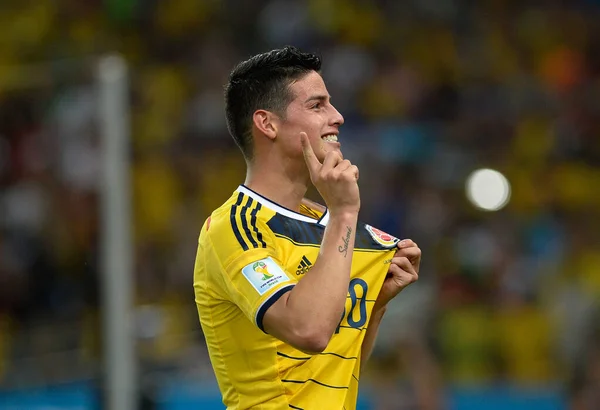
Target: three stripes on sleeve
x,y
243,222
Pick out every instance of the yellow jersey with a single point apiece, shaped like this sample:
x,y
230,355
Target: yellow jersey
x,y
251,251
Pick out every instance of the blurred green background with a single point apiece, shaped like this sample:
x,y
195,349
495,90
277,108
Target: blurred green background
x,y
506,311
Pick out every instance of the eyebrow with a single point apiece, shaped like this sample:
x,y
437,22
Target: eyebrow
x,y
317,98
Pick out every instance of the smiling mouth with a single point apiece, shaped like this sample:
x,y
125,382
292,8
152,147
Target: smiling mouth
x,y
330,138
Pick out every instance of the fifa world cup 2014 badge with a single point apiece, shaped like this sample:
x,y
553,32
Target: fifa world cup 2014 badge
x,y
384,239
265,274
261,267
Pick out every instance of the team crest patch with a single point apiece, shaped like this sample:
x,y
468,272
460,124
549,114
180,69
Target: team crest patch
x,y
264,274
384,239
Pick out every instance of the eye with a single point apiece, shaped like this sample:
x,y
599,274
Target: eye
x,y
317,106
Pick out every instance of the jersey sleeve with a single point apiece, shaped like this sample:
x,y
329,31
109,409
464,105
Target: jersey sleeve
x,y
254,278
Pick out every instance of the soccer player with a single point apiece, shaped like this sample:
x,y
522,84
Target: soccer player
x,y
290,295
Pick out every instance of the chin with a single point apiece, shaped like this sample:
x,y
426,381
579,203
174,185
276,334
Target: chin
x,y
331,147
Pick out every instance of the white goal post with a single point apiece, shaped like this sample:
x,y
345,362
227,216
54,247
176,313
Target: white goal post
x,y
119,365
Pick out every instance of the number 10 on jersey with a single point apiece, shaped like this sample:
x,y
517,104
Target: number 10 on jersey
x,y
356,317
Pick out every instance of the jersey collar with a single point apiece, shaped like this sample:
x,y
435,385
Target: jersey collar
x,y
281,209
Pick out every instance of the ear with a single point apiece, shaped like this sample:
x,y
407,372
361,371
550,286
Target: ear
x,y
266,122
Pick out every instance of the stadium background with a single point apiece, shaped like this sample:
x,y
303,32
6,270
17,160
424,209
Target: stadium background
x,y
505,315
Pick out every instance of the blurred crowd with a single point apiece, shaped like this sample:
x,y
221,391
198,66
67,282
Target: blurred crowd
x,y
430,90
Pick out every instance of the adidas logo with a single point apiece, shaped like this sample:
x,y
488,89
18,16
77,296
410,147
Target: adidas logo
x,y
304,266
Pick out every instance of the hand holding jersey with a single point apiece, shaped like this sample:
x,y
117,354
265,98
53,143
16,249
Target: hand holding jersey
x,y
404,270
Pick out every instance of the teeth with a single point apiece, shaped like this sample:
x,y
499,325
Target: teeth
x,y
330,138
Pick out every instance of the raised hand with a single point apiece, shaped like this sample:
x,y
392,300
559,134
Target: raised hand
x,y
335,179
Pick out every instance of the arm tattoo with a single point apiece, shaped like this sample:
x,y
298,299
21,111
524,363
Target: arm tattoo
x,y
344,249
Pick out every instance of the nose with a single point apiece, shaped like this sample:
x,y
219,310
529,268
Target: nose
x,y
337,117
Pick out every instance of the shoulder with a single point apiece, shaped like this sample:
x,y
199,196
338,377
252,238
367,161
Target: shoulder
x,y
239,226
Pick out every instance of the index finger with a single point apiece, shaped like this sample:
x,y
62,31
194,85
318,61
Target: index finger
x,y
406,243
309,154
413,254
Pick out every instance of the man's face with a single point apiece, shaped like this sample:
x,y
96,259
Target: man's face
x,y
311,112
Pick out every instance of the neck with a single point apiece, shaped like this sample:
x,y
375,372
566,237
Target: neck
x,y
286,186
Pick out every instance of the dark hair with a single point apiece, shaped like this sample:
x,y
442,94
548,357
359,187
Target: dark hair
x,y
262,82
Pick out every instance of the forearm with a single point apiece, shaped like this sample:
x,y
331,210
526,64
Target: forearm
x,y
371,336
317,301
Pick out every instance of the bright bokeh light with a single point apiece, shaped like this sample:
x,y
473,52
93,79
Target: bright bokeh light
x,y
488,189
